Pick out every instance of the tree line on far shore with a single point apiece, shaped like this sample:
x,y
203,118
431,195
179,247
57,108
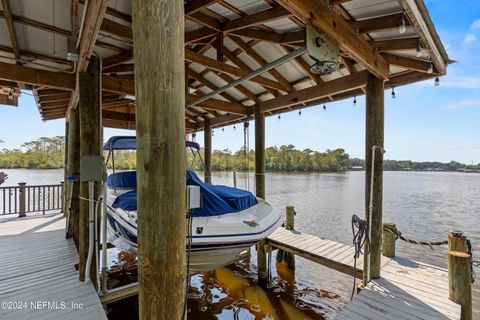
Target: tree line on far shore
x,y
48,153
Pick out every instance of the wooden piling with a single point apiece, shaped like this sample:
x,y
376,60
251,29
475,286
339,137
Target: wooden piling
x,y
388,239
207,147
459,281
158,32
21,204
260,185
374,137
290,224
73,170
90,145
65,168
234,179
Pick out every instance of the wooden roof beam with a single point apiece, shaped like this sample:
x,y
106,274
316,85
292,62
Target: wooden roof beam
x,y
37,24
411,64
205,20
380,23
118,59
199,34
343,84
318,14
11,29
264,16
219,105
396,44
226,68
196,5
270,36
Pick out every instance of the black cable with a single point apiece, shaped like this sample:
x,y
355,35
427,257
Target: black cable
x,y
359,238
189,247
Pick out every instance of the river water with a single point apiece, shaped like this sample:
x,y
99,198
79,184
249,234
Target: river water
x,y
424,206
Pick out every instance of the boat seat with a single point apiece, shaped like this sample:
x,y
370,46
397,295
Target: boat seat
x,y
126,180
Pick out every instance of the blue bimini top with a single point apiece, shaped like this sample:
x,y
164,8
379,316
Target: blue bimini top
x,y
130,143
216,200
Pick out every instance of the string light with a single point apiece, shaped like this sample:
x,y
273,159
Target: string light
x,y
354,100
223,129
234,128
419,51
324,107
279,117
393,93
403,26
430,68
299,112
437,82
213,133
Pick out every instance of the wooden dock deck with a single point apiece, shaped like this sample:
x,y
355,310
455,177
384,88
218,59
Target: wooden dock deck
x,y
407,289
38,279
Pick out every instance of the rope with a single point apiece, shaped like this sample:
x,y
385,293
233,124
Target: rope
x,y
359,238
398,235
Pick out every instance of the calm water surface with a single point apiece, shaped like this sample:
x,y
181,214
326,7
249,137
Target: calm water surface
x,y
424,205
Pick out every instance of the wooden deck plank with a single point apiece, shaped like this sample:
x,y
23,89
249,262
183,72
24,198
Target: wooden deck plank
x,y
38,264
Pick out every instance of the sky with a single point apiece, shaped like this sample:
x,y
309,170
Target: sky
x,y
423,122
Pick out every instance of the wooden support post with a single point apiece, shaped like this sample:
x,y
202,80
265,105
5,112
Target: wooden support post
x,y
207,149
374,137
459,269
65,173
388,239
234,179
260,184
21,201
73,170
158,32
290,223
90,145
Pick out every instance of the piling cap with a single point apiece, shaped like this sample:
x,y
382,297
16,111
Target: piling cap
x,y
457,233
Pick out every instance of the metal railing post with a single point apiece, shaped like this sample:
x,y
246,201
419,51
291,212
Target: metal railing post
x,y
22,199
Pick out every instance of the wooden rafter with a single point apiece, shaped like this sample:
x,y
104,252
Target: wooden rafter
x,y
270,36
318,14
214,104
196,5
379,23
396,44
11,29
256,18
412,64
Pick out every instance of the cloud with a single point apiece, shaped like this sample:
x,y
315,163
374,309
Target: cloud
x,y
469,38
463,104
475,24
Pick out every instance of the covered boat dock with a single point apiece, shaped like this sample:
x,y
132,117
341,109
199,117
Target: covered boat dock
x,y
165,68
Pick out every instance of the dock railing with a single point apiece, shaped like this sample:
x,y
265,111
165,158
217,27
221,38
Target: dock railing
x,y
23,199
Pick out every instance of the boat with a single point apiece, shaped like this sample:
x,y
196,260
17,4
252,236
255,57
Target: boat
x,y
227,224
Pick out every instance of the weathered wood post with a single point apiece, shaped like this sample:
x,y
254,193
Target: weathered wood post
x,y
388,239
21,200
290,224
459,269
158,33
207,148
374,137
73,170
234,179
65,166
90,145
260,184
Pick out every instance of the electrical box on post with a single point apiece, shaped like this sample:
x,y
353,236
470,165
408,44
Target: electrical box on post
x,y
193,197
91,168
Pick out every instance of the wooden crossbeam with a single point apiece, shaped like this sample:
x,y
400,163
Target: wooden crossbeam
x,y
11,29
412,64
380,23
205,20
199,34
256,18
121,68
37,24
118,59
207,83
318,14
214,104
196,5
117,29
270,36
396,44
226,68
343,84
55,98
37,56
11,72
120,85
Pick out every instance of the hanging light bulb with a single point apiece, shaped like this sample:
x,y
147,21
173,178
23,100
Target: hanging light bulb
x,y
354,101
437,82
299,112
418,53
393,93
279,117
403,26
213,133
430,68
194,135
10,95
234,128
324,107
223,129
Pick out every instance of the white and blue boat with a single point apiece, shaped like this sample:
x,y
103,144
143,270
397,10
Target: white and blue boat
x,y
229,221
